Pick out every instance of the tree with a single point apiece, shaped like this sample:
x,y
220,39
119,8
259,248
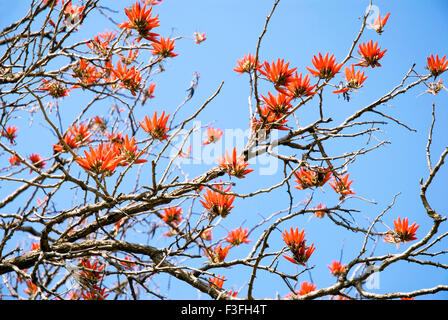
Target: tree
x,y
106,195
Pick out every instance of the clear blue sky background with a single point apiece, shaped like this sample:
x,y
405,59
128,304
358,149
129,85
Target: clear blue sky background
x,y
297,31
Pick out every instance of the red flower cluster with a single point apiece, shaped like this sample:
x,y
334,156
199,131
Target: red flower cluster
x,y
72,14
142,21
278,105
320,213
36,161
156,127
336,268
353,80
129,78
235,165
213,135
217,254
10,133
102,160
237,236
299,87
403,232
326,66
306,287
100,44
199,37
172,215
85,73
307,178
218,203
55,88
296,243
379,23
371,54
437,65
164,48
342,186
278,73
247,64
74,138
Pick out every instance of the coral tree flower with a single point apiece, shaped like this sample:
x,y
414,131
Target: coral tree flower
x,y
31,288
436,65
326,66
94,293
235,165
306,287
130,58
247,64
213,135
379,23
353,79
72,14
403,231
141,20
270,120
10,133
102,160
164,48
237,236
199,37
129,153
342,186
148,93
296,243
100,44
172,215
14,160
156,127
278,73
371,54
55,89
85,73
207,235
320,213
69,141
36,161
217,203
307,178
217,281
299,87
74,138
217,254
336,268
278,105
129,78
91,272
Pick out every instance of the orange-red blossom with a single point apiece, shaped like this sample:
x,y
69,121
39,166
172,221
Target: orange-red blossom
x,y
403,231
371,54
342,186
326,66
437,65
336,268
296,243
142,21
379,23
218,203
307,178
234,165
237,236
156,127
102,160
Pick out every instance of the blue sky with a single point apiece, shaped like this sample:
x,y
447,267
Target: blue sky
x,y
297,31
